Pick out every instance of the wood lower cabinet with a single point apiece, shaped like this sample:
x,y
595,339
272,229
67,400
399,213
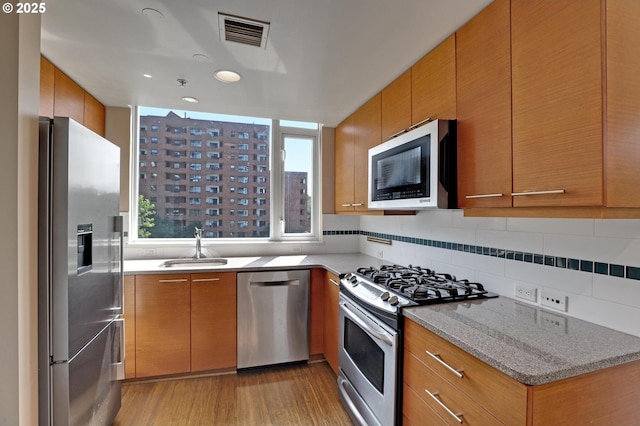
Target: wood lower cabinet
x,y
331,330
213,321
482,395
163,324
129,317
316,312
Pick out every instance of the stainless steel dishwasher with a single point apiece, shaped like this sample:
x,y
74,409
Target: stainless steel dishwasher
x,y
273,317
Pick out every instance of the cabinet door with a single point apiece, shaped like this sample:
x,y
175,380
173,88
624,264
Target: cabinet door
x,y
623,112
94,114
213,321
68,97
433,83
557,102
366,134
316,312
396,106
163,317
331,293
129,317
344,172
46,87
483,58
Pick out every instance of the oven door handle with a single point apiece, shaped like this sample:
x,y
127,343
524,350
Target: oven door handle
x,y
366,327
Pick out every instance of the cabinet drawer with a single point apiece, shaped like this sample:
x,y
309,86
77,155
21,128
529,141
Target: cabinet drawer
x,y
501,395
416,412
438,393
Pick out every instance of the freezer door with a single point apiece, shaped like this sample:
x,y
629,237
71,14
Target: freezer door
x,y
85,239
86,390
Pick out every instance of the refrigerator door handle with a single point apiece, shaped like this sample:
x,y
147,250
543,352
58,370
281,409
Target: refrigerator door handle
x,y
117,367
119,228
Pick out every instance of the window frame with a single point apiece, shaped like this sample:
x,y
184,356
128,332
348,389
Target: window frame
x,y
276,206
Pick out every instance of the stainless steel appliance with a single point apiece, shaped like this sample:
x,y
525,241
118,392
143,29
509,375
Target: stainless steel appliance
x,y
80,297
273,317
370,335
416,170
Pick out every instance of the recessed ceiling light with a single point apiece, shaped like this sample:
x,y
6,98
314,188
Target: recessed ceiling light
x,y
152,13
147,75
227,76
190,99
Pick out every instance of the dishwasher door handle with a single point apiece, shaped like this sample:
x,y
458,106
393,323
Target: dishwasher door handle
x,y
274,283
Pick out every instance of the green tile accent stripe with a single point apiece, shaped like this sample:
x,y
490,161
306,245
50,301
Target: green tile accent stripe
x,y
590,266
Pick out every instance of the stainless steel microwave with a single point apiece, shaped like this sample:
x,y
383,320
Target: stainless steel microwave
x,y
416,170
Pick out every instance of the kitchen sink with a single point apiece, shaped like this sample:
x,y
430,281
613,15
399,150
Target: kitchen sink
x,y
203,261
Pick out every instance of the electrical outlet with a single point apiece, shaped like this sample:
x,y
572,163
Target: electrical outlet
x,y
380,254
149,252
296,249
554,299
527,293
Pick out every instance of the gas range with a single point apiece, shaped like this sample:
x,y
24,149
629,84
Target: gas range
x,y
389,288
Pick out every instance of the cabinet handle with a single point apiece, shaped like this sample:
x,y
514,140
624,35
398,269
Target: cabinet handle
x,y
398,133
357,204
347,205
440,403
334,282
420,123
469,197
180,280
436,356
553,191
201,280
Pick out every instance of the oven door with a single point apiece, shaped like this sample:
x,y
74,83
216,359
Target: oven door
x,y
368,355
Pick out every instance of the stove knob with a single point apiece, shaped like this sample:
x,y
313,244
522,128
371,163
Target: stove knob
x,y
385,296
393,300
353,279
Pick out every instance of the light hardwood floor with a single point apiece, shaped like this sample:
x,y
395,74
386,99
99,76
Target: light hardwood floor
x,y
291,395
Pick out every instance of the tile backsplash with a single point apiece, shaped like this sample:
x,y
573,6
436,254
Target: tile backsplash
x,y
596,263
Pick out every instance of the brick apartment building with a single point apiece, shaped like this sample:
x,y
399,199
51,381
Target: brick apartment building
x,y
214,174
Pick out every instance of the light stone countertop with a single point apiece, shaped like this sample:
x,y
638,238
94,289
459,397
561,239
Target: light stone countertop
x,y
336,263
532,345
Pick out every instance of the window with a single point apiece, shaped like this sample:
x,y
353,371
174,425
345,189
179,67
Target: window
x,y
154,139
235,169
154,128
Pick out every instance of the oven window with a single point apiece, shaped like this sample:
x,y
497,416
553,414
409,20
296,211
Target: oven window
x,y
365,353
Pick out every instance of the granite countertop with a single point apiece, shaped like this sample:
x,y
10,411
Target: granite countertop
x,y
336,263
530,344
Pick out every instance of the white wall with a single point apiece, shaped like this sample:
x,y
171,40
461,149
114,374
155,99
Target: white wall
x,y
610,301
19,103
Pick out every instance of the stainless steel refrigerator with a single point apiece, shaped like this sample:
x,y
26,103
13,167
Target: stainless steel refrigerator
x,y
80,293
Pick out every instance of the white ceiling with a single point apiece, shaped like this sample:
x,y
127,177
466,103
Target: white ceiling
x,y
324,58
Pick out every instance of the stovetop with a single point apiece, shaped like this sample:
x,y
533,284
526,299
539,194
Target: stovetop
x,y
389,288
422,285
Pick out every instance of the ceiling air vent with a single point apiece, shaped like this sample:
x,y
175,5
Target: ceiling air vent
x,y
243,30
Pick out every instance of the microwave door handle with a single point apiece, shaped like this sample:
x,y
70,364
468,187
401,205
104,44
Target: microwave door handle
x,y
365,327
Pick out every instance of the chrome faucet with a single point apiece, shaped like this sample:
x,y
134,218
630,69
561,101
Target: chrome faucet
x,y
198,233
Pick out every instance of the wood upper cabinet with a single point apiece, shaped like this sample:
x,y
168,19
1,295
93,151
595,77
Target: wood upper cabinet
x,y
623,104
366,134
94,114
396,106
483,58
68,97
331,318
344,171
213,321
163,324
433,83
557,84
47,79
